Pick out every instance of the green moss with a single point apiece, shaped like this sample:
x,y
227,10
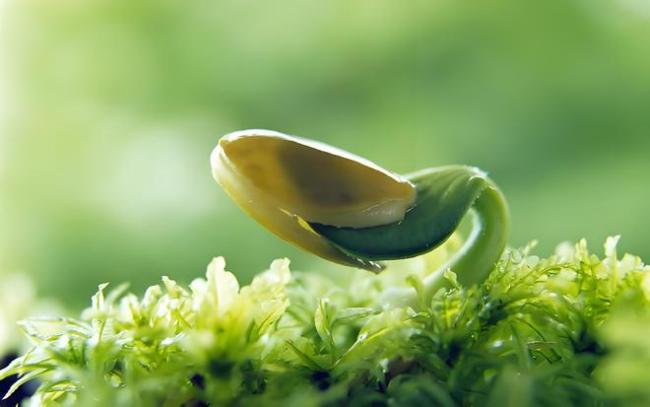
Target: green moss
x,y
571,329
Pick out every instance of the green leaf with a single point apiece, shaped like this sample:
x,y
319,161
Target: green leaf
x,y
444,195
323,322
22,380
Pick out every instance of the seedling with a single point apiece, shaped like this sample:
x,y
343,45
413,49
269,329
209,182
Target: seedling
x,y
351,211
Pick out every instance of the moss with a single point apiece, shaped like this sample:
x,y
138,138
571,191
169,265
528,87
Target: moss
x,y
570,329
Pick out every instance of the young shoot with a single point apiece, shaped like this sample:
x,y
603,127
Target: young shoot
x,y
351,211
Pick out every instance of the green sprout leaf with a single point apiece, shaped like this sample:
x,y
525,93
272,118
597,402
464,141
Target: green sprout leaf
x,y
444,195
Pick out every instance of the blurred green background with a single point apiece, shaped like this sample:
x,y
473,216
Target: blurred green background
x,y
109,110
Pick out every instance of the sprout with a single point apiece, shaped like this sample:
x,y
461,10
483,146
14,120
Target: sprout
x,y
348,210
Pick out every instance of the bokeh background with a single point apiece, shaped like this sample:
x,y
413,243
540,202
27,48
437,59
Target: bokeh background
x,y
109,110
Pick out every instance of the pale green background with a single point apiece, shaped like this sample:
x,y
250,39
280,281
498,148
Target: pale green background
x,y
110,109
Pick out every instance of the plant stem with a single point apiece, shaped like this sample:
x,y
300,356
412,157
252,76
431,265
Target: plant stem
x,y
478,255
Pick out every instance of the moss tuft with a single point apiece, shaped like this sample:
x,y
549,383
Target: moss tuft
x,y
571,329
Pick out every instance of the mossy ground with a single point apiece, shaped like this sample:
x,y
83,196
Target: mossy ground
x,y
571,329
